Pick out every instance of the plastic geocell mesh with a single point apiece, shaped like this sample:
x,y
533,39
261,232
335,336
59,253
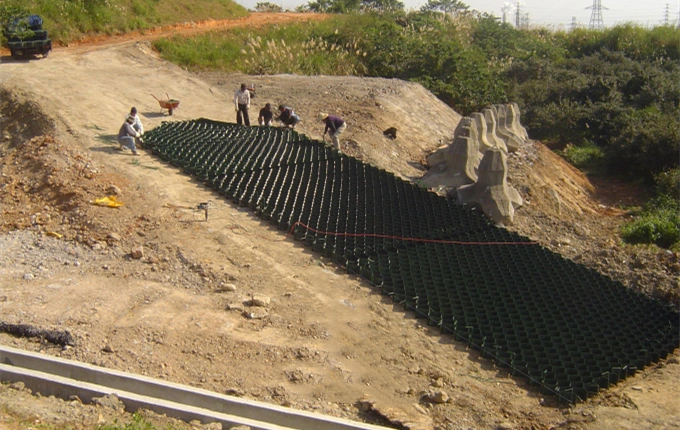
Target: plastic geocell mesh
x,y
570,330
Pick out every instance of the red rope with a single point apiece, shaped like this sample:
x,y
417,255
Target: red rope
x,y
409,239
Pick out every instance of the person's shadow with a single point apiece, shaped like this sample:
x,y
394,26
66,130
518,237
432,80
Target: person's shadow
x,y
154,114
111,141
107,138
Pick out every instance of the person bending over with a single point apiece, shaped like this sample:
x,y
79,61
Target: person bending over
x,y
287,117
334,127
266,115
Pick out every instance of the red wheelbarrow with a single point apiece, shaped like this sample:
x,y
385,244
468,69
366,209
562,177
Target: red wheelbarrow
x,y
169,104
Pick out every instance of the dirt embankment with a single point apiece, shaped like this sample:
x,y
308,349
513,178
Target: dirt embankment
x,y
327,341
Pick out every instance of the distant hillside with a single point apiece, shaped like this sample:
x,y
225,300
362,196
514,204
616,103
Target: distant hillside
x,y
71,20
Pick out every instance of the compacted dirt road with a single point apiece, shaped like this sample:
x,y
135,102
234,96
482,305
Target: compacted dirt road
x,y
326,341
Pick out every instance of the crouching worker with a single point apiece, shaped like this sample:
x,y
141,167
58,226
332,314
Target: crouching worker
x,y
287,117
266,115
127,135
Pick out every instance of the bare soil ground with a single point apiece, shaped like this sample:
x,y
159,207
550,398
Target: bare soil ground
x,y
327,342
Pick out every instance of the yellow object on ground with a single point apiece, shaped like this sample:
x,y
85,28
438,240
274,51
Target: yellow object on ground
x,y
108,201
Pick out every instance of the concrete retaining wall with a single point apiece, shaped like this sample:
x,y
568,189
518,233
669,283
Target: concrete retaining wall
x,y
63,378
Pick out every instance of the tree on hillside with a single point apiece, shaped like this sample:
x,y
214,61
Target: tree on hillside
x,y
381,6
345,6
333,6
448,7
11,11
268,7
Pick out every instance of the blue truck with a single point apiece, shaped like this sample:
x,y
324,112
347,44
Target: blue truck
x,y
26,37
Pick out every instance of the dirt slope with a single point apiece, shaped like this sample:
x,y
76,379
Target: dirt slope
x,y
327,340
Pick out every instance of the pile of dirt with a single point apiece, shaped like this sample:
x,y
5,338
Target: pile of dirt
x,y
152,288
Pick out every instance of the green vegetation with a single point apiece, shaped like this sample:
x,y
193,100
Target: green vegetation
x,y
658,222
268,7
659,225
68,20
138,423
303,48
588,157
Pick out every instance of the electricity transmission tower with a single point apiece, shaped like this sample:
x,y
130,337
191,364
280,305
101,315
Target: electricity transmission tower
x,y
667,15
574,24
596,22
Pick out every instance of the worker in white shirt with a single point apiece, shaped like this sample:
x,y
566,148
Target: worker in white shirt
x,y
241,104
137,125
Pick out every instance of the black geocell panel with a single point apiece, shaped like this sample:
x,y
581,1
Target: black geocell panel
x,y
570,330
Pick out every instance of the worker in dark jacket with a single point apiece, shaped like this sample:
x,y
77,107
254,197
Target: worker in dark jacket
x,y
287,117
334,127
266,115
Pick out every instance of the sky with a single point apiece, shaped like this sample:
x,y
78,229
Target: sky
x,y
552,13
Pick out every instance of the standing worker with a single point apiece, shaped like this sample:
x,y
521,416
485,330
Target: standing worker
x,y
127,135
242,103
336,126
266,115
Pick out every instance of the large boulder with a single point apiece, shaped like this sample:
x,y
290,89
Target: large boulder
x,y
491,192
491,134
485,136
456,164
512,140
482,133
513,111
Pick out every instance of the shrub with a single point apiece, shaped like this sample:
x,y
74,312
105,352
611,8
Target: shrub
x,y
659,221
587,156
138,423
668,183
661,228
